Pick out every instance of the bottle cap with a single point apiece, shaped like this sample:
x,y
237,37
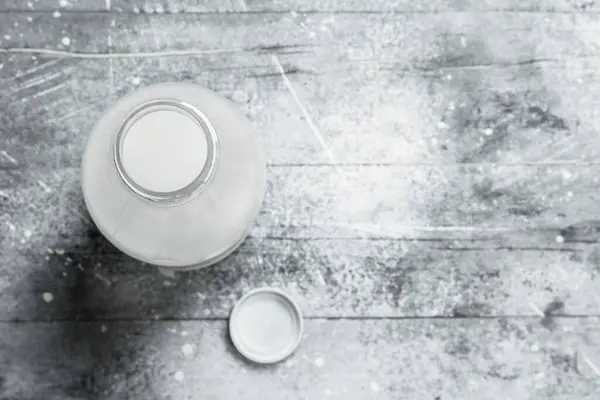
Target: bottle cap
x,y
266,325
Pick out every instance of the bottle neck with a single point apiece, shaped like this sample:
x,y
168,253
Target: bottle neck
x,y
166,151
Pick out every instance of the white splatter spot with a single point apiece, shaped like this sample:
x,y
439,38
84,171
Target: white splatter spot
x,y
488,131
63,3
44,186
319,362
60,252
184,333
103,329
442,125
136,10
449,77
29,19
56,14
10,226
27,234
7,37
327,392
48,297
147,9
375,387
30,5
66,41
135,80
293,14
1,65
535,347
463,41
179,376
167,283
47,258
64,273
206,311
171,330
560,239
159,9
569,194
566,174
16,24
187,349
50,251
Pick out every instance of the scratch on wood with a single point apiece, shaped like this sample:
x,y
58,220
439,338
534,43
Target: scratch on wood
x,y
83,217
37,68
536,309
111,70
103,279
44,186
36,82
305,113
8,157
89,55
50,90
591,365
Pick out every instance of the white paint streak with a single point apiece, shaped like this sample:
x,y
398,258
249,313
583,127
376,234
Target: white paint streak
x,y
304,112
108,5
536,309
37,68
85,55
591,365
103,279
83,217
8,157
36,82
44,186
50,90
111,68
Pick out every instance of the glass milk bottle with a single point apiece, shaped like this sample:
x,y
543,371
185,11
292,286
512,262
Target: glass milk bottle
x,y
174,175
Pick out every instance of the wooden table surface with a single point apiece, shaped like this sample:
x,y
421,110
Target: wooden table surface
x,y
433,200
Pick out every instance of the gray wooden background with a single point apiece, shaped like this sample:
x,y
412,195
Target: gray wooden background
x,y
433,200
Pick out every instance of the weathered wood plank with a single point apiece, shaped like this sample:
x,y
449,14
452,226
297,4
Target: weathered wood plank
x,y
67,31
91,280
302,201
401,359
490,121
507,90
353,6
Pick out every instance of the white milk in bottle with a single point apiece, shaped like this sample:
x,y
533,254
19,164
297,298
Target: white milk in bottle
x,y
174,175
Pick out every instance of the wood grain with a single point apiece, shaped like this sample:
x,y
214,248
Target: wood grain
x,y
463,359
432,199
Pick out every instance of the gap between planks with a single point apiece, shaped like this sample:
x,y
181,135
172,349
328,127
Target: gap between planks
x,y
531,317
242,11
